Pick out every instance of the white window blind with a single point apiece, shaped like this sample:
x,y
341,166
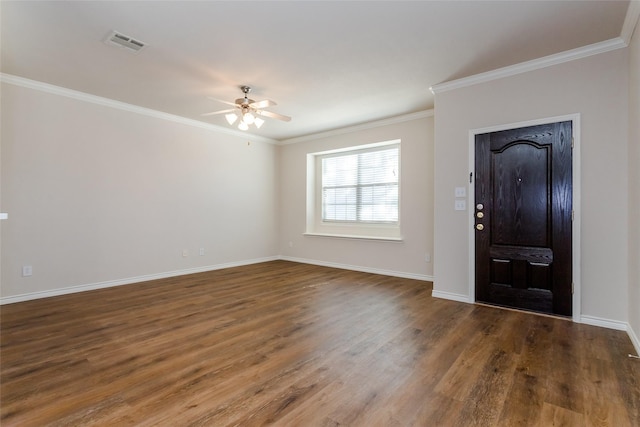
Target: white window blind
x,y
362,186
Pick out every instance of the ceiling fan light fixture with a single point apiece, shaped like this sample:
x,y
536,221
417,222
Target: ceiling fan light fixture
x,y
231,118
248,118
247,110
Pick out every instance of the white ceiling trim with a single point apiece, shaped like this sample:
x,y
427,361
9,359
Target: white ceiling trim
x,y
630,21
85,97
535,64
363,126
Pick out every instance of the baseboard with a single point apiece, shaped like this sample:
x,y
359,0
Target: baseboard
x,y
392,273
451,296
614,324
130,280
634,339
604,323
127,281
589,320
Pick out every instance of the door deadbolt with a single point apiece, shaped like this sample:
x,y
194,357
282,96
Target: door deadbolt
x,y
479,206
480,215
479,227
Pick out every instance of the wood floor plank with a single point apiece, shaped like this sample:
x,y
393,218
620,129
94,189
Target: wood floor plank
x,y
288,344
567,387
524,402
552,416
529,387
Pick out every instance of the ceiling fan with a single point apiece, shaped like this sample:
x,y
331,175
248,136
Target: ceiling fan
x,y
248,111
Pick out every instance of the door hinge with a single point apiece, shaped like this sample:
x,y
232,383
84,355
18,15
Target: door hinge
x,y
470,177
572,142
572,287
572,214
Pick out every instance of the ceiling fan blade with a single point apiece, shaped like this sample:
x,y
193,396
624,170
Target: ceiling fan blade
x,y
262,104
273,115
220,100
213,113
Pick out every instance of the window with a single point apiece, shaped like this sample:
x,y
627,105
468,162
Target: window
x,y
356,192
361,187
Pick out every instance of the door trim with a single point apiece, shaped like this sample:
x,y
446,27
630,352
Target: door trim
x,y
575,240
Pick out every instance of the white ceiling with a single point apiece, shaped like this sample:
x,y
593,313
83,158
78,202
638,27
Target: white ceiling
x,y
327,64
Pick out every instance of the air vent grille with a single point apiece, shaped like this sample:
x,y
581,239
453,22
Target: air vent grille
x,y
117,39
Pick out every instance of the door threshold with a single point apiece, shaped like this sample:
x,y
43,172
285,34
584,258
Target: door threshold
x,y
522,310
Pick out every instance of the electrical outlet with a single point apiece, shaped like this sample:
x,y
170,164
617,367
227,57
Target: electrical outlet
x,y
427,257
27,270
185,252
461,192
201,251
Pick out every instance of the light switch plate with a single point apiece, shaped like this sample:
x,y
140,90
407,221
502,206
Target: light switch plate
x,y
460,205
461,192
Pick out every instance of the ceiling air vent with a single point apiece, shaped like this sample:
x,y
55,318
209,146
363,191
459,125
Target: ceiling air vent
x,y
120,40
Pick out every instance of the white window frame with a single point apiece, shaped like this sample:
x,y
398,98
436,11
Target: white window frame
x,y
348,229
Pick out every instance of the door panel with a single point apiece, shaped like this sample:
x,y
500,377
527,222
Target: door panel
x,y
521,207
523,203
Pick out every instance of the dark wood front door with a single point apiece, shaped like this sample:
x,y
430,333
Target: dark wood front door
x,y
523,215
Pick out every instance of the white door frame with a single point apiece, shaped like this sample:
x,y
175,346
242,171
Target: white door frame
x,y
575,230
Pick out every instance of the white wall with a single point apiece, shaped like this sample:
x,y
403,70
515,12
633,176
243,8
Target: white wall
x,y
596,87
416,210
634,186
98,194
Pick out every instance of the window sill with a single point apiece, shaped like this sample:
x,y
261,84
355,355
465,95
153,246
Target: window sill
x,y
356,237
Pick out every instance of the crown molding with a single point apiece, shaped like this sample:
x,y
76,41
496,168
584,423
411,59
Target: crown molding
x,y
360,127
630,21
535,64
106,102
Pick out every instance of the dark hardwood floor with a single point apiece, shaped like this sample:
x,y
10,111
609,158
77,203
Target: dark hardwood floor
x,y
299,345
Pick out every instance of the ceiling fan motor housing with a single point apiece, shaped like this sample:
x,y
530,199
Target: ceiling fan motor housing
x,y
246,106
244,102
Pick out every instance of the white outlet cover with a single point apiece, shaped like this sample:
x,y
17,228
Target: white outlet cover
x,y
460,205
461,192
27,270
